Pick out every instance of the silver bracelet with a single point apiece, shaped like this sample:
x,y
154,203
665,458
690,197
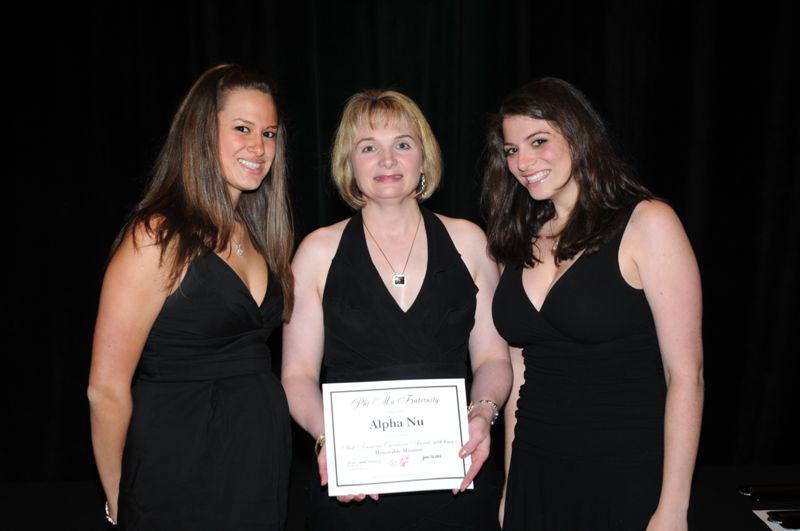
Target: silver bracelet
x,y
108,516
495,409
319,444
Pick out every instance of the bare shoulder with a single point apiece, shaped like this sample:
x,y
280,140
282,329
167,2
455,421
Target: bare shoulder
x,y
653,220
320,246
654,240
138,264
470,241
465,234
140,243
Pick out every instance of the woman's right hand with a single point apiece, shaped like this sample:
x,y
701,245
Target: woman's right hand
x,y
304,337
322,461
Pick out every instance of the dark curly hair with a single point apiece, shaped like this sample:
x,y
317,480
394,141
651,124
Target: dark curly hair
x,y
607,189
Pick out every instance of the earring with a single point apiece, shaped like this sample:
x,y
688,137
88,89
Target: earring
x,y
421,185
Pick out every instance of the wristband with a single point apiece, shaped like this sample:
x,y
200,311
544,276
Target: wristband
x,y
495,409
319,444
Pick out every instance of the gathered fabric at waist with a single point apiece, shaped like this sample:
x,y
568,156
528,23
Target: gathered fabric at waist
x,y
596,400
209,367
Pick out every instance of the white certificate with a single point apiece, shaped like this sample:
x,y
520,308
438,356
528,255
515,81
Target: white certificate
x,y
395,436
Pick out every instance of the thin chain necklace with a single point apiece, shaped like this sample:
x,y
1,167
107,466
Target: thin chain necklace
x,y
398,279
239,246
554,237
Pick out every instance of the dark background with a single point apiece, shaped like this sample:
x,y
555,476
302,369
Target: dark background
x,y
702,99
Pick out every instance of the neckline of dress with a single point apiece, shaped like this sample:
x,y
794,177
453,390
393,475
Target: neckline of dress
x,y
376,274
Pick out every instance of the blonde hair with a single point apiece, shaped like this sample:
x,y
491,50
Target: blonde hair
x,y
379,108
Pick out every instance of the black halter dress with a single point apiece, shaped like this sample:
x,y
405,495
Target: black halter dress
x,y
208,446
368,337
588,444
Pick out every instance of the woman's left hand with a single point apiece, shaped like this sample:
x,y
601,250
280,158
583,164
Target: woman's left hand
x,y
667,521
477,447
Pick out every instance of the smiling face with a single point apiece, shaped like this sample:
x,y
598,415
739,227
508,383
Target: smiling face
x,y
386,161
538,156
247,124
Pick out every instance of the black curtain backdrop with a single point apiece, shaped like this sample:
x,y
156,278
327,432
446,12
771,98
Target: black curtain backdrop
x,y
702,98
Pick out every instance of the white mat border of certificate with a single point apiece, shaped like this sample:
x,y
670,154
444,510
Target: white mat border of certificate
x,y
338,487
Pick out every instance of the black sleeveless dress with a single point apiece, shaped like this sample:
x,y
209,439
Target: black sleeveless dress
x,y
368,337
588,444
208,446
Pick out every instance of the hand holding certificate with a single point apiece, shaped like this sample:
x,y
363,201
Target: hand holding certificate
x,y
395,436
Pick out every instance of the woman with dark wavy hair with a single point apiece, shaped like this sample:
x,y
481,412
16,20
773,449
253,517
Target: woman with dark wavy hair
x,y
600,300
197,279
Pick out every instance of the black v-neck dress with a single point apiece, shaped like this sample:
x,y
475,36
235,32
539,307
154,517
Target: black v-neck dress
x,y
588,444
208,446
368,337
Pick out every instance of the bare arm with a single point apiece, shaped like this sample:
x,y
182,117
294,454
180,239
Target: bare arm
x,y
491,367
669,275
133,293
304,336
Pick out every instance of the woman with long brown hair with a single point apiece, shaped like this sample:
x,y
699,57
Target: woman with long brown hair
x,y
600,296
197,278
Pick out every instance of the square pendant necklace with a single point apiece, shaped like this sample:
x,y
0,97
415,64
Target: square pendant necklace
x,y
398,279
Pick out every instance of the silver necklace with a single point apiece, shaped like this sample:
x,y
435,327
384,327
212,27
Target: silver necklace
x,y
554,237
398,279
239,246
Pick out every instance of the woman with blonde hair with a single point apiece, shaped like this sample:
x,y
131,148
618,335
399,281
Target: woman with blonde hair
x,y
395,292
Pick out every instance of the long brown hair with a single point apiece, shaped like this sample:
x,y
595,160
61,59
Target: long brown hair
x,y
607,189
187,208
